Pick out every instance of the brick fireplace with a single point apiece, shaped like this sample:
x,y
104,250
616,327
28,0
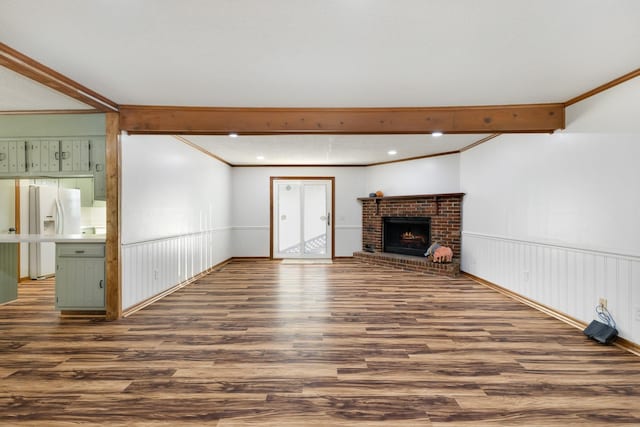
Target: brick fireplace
x,y
444,212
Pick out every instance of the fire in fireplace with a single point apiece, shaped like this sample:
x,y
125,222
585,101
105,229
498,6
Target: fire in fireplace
x,y
407,235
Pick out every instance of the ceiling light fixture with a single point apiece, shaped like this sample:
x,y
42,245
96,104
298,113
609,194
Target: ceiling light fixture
x,y
436,134
392,152
260,157
233,135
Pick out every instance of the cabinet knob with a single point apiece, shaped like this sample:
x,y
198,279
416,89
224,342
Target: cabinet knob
x,y
100,284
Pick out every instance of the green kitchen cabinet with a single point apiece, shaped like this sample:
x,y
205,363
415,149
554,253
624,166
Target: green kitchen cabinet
x,y
80,276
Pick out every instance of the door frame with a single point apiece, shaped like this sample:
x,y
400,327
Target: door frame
x,y
303,178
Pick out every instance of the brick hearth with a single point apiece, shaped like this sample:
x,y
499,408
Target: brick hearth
x,y
408,262
445,211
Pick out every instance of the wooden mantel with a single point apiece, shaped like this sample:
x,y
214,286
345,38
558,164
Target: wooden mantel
x,y
413,197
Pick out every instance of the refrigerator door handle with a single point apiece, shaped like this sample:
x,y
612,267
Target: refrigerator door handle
x,y
59,217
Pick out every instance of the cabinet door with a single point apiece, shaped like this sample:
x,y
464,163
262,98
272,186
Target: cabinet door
x,y
53,155
43,155
80,283
8,272
4,156
17,160
98,156
12,156
66,155
81,155
74,154
33,156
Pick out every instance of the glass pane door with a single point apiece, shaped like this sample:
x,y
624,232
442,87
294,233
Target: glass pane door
x,y
315,219
289,218
302,219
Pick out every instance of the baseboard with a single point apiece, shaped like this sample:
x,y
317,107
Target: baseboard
x,y
83,313
623,343
171,290
24,279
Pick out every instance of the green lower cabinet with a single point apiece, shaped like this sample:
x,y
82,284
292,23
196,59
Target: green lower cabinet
x,y
8,272
80,276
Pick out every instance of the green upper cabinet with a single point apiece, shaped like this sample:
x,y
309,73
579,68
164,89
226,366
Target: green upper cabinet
x,y
54,145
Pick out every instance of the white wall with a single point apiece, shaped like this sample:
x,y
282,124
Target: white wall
x,y
423,176
251,206
175,215
555,217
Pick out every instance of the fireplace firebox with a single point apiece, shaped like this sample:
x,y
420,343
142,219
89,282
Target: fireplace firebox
x,y
407,235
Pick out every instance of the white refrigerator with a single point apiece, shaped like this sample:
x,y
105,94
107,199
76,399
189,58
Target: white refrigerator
x,y
51,211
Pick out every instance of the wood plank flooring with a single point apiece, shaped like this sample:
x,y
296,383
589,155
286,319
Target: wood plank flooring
x,y
259,343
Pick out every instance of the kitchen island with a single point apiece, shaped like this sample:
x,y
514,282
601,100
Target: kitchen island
x,y
78,247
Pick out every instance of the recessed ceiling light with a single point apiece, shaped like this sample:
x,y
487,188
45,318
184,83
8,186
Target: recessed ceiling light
x,y
233,135
436,134
260,157
392,152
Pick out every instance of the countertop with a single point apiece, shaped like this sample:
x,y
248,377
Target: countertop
x,y
57,238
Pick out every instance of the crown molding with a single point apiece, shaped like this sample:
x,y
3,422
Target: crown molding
x,y
34,70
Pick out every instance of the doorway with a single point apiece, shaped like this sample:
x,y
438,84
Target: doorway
x,y
302,217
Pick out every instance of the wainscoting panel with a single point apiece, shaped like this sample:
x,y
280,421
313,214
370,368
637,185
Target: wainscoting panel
x,y
570,280
151,267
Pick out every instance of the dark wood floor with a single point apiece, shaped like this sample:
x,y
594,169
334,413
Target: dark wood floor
x,y
264,344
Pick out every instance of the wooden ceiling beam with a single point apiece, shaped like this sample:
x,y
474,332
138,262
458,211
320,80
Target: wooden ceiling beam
x,y
34,70
265,121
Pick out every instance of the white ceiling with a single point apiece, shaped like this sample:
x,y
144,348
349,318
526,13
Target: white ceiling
x,y
328,149
332,53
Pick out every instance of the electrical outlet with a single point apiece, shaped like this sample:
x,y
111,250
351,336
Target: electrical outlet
x,y
636,311
603,302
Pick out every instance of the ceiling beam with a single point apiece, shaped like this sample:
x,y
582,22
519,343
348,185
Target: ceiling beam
x,y
265,121
34,70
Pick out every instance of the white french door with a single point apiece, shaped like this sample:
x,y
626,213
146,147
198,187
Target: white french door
x,y
302,218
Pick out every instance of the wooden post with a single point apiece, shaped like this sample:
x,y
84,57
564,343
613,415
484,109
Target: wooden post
x,y
113,269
